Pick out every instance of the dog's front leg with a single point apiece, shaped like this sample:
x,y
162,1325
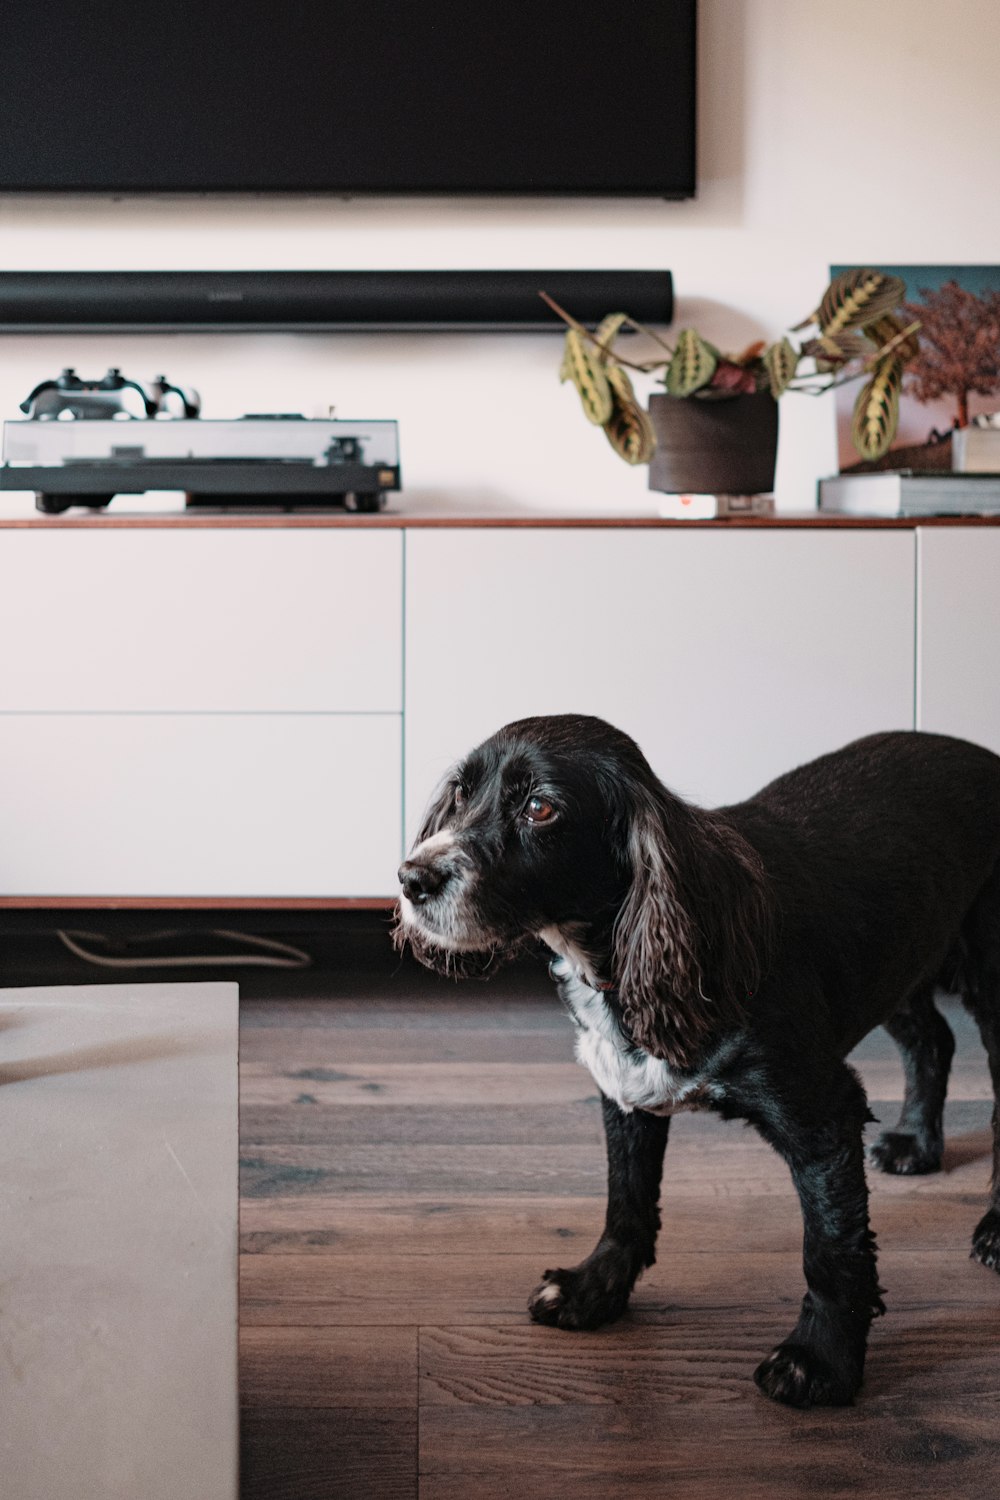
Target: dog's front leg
x,y
597,1290
822,1361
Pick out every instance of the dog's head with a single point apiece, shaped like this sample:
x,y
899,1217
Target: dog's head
x,y
514,842
557,827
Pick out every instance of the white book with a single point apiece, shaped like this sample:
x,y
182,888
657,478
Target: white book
x,y
897,492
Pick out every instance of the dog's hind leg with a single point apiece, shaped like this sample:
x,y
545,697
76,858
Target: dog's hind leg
x,y
980,981
821,1363
926,1044
597,1290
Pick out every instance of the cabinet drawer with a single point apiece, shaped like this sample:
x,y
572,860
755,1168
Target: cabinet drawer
x,y
191,620
199,805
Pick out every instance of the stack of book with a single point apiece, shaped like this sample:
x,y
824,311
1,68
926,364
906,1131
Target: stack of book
x,y
903,492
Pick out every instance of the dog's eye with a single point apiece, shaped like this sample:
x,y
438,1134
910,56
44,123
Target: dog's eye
x,y
537,810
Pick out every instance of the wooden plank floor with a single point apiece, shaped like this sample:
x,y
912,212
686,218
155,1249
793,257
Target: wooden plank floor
x,y
416,1153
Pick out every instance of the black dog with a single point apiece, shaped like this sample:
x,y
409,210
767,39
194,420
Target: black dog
x,y
729,960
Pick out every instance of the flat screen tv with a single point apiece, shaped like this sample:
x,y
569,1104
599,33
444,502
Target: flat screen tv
x,y
349,97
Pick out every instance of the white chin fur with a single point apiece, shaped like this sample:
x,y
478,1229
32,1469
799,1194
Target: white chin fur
x,y
454,937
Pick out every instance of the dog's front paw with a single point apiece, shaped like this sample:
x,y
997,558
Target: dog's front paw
x,y
986,1240
904,1155
593,1293
798,1376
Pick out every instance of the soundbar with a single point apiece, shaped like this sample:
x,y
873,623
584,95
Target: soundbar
x,y
289,301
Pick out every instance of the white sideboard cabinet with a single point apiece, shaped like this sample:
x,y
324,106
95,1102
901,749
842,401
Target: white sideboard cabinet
x,y
730,654
225,711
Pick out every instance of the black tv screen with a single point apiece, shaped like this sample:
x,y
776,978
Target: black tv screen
x,y
372,96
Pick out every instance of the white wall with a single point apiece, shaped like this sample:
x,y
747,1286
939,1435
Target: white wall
x,y
828,134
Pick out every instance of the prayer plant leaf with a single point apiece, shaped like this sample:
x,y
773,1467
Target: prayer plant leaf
x,y
857,297
693,364
876,411
780,361
629,430
587,373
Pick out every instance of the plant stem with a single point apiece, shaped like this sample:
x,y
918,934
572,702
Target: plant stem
x,y
606,349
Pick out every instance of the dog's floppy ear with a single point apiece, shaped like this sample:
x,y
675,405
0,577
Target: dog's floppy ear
x,y
692,937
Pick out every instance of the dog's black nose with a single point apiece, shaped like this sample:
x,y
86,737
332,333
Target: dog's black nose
x,y
420,881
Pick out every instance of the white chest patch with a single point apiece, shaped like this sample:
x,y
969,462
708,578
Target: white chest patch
x,y
629,1076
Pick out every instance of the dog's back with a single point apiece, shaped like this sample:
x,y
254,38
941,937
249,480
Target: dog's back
x,y
859,789
885,860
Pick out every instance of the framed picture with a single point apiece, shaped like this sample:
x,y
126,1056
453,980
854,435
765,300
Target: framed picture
x,y
954,378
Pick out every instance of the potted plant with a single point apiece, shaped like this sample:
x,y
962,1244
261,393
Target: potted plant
x,y
714,428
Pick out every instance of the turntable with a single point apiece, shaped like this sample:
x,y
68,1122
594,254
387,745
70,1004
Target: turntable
x,y
85,441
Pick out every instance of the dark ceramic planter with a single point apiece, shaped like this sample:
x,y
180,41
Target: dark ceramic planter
x,y
714,447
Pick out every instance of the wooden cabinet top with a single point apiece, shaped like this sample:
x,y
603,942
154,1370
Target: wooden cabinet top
x,y
403,520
